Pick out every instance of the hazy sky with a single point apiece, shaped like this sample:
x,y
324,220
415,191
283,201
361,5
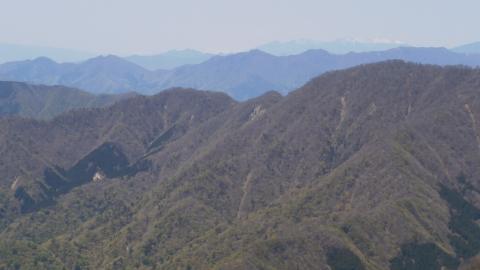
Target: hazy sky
x,y
150,26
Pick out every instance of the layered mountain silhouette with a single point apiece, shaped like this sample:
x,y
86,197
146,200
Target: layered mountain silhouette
x,y
242,75
103,74
340,46
373,167
170,59
46,102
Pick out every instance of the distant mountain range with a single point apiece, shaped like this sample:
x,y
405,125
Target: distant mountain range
x,y
343,46
472,48
176,58
103,74
46,102
242,76
170,59
340,46
15,52
369,168
252,73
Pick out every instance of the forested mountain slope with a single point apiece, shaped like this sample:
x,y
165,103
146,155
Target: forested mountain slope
x,y
373,167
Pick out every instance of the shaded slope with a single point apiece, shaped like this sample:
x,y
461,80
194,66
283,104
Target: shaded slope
x,y
46,159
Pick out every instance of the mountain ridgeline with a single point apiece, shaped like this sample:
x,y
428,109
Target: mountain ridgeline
x,y
373,167
170,59
242,75
46,102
